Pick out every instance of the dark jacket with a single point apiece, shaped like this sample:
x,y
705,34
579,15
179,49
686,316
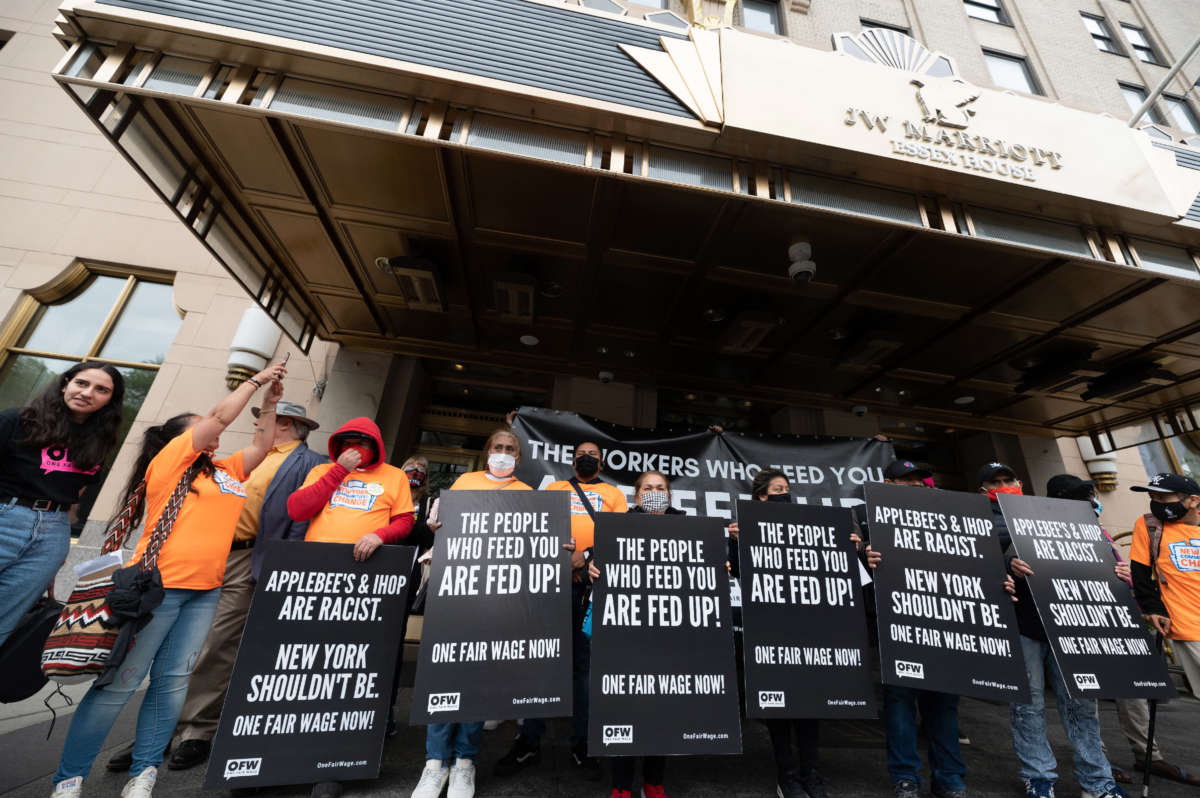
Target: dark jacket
x,y
273,520
1028,622
637,508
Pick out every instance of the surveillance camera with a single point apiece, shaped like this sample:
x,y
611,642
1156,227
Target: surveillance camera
x,y
800,250
859,410
606,377
802,271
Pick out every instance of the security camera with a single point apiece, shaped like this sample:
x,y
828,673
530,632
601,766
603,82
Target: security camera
x,y
606,377
859,410
802,271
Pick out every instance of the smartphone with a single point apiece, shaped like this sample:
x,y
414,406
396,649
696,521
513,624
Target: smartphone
x,y
286,355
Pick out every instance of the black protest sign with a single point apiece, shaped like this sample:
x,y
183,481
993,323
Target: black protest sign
x,y
496,642
663,677
945,620
1094,626
805,641
310,692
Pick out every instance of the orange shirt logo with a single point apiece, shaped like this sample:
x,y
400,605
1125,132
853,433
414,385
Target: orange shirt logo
x,y
355,494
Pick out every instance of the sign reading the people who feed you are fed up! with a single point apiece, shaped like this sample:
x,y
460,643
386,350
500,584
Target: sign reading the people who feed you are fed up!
x,y
309,696
1094,626
945,620
496,642
806,648
663,677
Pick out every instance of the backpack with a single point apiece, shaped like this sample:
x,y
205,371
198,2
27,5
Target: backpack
x,y
20,657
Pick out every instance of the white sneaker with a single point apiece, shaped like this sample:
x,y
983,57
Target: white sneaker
x,y
71,788
462,780
491,725
433,779
141,785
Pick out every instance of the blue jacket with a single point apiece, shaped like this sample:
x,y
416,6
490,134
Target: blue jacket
x,y
273,520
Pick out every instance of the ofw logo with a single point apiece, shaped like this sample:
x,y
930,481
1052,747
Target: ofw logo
x,y
237,768
910,670
618,734
1087,681
443,702
770,699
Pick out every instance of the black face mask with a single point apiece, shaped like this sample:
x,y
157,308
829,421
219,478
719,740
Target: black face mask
x,y
586,465
779,497
1168,511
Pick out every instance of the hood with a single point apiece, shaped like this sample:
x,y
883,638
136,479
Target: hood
x,y
362,426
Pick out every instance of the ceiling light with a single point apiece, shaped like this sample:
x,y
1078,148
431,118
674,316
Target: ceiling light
x,y
878,389
552,290
964,400
714,315
530,340
747,403
459,367
690,397
630,353
602,350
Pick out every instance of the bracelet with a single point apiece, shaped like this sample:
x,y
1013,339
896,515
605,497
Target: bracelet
x,y
256,382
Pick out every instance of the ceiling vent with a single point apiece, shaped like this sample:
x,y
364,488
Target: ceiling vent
x,y
417,278
514,293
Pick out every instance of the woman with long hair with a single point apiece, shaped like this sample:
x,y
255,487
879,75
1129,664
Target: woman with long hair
x,y
51,449
197,500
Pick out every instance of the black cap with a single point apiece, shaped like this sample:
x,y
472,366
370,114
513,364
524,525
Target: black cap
x,y
898,469
1069,486
992,470
1170,483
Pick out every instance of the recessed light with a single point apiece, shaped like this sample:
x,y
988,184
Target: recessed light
x,y
878,389
466,391
602,350
530,340
459,367
552,290
747,403
902,392
964,400
690,397
630,353
714,315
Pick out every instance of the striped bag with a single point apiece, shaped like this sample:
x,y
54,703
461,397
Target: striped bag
x,y
83,637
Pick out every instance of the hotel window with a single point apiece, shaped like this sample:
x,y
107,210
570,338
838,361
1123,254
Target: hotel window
x,y
1140,44
762,15
1180,114
989,10
1135,96
868,24
1011,72
1101,34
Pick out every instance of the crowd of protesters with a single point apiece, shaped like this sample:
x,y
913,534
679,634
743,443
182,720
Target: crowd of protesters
x,y
209,521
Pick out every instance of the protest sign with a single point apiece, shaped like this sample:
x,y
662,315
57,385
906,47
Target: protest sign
x,y
1094,626
310,692
945,621
805,639
663,678
496,642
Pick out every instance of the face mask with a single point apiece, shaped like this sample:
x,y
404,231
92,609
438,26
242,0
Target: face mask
x,y
656,502
586,465
779,497
368,457
1168,511
415,478
1097,506
500,464
1015,490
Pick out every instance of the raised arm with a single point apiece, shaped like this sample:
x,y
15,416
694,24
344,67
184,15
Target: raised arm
x,y
264,428
208,430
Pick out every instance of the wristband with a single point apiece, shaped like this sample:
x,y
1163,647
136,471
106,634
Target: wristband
x,y
256,382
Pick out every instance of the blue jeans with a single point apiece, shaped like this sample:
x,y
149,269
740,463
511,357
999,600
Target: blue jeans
x,y
33,546
1078,716
168,648
939,716
449,741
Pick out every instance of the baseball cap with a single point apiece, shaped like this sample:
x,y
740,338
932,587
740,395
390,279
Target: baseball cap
x,y
290,410
1169,483
993,470
905,468
1069,486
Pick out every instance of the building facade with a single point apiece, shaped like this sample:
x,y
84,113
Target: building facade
x,y
453,209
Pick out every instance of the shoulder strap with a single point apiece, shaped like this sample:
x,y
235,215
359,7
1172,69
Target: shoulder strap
x,y
1154,530
166,521
587,505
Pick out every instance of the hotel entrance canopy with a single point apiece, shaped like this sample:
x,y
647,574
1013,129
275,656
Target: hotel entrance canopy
x,y
542,186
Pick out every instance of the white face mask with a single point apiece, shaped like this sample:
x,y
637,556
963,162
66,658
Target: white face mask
x,y
500,464
656,502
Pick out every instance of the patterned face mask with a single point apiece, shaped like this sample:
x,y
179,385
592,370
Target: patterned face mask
x,y
656,502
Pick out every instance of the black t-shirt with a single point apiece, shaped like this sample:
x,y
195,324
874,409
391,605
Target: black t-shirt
x,y
31,473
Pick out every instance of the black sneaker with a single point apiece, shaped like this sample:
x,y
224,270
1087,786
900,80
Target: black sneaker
x,y
522,754
122,760
189,754
588,765
327,789
789,787
814,785
907,788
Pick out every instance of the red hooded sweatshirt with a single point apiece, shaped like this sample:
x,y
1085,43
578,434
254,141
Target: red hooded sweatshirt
x,y
345,505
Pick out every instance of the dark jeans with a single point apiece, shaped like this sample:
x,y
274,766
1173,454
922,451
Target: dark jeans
x,y
797,763
532,729
653,769
939,716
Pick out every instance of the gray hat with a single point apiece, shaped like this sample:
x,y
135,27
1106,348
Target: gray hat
x,y
290,410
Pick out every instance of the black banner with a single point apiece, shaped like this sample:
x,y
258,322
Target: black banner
x,y
496,643
945,621
663,678
805,632
708,472
310,692
1093,624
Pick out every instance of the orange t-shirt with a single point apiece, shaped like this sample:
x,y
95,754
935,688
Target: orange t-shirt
x,y
605,498
194,554
1179,567
479,480
365,501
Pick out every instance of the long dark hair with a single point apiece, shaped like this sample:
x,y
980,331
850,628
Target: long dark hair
x,y
47,422
153,441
